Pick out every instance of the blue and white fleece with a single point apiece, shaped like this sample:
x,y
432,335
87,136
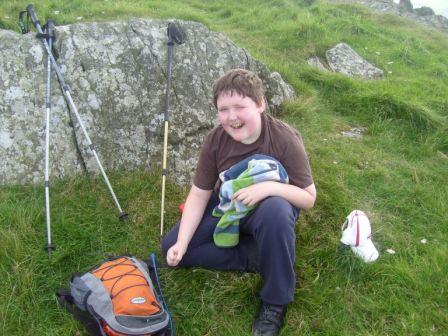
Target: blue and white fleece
x,y
256,168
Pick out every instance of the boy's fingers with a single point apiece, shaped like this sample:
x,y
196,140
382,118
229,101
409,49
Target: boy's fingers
x,y
239,196
173,257
238,193
173,262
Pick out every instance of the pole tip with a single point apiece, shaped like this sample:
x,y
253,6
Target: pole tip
x,y
123,216
49,248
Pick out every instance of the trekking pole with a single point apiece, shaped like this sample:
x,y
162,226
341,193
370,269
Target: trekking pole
x,y
49,35
66,91
175,36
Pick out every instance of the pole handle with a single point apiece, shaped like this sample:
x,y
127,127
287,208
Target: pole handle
x,y
23,26
175,34
32,15
49,28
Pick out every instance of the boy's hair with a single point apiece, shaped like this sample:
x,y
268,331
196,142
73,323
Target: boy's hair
x,y
241,81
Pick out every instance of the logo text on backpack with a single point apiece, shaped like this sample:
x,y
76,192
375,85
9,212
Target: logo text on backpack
x,y
138,300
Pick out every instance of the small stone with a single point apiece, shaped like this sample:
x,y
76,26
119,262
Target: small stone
x,y
315,62
354,132
390,251
423,241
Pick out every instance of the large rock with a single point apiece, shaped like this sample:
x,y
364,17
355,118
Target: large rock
x,y
406,5
117,75
22,114
424,11
346,61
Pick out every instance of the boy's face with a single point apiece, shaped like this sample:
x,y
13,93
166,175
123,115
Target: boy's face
x,y
240,116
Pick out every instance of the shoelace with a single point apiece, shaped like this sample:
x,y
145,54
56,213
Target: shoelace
x,y
270,314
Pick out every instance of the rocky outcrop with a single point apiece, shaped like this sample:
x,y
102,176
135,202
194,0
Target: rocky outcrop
x,y
117,75
424,11
344,60
406,5
389,6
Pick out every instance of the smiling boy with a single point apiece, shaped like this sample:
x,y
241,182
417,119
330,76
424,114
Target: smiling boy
x,y
267,237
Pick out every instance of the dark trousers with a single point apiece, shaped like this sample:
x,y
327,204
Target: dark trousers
x,y
267,245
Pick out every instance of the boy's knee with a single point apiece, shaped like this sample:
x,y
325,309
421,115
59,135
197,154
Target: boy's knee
x,y
276,216
278,209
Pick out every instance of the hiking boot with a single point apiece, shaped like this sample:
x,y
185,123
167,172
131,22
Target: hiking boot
x,y
269,320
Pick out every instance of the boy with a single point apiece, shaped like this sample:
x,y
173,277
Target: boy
x,y
267,238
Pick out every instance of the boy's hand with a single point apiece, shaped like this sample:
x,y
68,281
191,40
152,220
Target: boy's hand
x,y
175,254
253,194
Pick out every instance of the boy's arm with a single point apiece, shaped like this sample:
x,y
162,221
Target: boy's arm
x,y
195,205
302,198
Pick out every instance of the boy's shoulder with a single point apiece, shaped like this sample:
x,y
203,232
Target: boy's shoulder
x,y
277,126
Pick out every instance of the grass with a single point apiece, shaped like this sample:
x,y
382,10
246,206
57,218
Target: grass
x,y
397,173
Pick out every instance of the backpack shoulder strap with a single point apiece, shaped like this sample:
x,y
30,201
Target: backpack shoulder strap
x,y
65,299
156,275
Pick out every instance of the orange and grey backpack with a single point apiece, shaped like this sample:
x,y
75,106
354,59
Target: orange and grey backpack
x,y
118,298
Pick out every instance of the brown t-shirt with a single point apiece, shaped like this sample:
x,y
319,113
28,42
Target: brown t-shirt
x,y
277,139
